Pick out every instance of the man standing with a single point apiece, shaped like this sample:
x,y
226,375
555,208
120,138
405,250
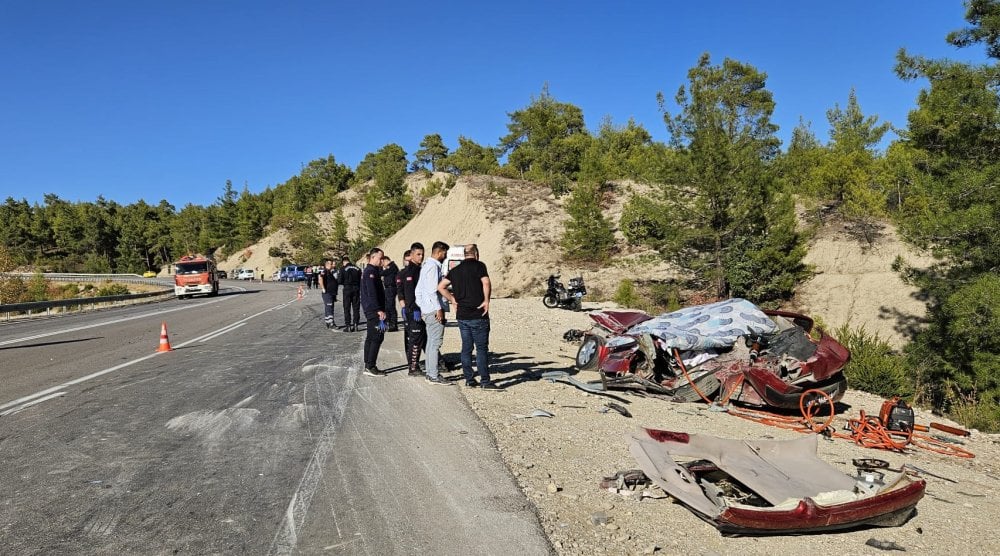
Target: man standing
x,y
308,272
414,332
389,273
328,286
402,301
470,293
350,278
432,307
373,303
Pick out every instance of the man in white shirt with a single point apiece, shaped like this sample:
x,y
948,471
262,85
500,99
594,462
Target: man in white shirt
x,y
433,307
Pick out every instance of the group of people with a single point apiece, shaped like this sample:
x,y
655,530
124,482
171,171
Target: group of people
x,y
424,291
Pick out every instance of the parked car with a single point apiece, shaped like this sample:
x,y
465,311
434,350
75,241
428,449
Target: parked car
x,y
222,274
149,274
245,274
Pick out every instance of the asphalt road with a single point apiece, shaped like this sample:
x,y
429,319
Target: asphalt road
x,y
257,434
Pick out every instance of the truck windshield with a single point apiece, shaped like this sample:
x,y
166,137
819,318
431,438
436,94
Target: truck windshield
x,y
191,268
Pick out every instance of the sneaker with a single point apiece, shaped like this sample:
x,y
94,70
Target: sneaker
x,y
471,383
490,386
438,380
414,373
374,371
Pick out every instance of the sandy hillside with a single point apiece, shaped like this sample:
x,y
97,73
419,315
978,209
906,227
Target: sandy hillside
x,y
517,225
256,256
856,284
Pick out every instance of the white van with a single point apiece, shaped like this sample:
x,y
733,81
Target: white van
x,y
456,254
245,274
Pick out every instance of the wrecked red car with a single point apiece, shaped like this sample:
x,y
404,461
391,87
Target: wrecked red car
x,y
728,351
769,487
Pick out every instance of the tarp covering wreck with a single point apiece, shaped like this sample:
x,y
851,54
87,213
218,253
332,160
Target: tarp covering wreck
x,y
716,325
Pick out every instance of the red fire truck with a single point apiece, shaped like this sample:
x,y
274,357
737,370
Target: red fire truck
x,y
195,274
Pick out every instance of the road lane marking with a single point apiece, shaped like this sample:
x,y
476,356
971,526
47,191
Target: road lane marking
x,y
221,332
116,321
76,381
31,403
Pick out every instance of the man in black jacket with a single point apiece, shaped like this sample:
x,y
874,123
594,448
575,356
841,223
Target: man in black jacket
x,y
350,278
373,303
414,332
389,274
328,285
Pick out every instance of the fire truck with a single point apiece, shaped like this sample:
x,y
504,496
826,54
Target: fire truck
x,y
195,274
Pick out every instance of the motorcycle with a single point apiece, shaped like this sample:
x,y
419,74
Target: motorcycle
x,y
727,351
558,295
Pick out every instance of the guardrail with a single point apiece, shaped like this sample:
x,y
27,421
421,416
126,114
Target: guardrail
x,y
47,306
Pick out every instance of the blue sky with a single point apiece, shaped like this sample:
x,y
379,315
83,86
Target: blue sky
x,y
168,100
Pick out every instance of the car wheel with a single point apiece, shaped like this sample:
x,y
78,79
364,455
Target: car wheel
x,y
586,356
550,301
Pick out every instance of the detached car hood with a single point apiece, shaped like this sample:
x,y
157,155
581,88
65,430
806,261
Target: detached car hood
x,y
801,493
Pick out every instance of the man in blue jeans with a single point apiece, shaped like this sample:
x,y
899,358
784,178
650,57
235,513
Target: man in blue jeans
x,y
470,283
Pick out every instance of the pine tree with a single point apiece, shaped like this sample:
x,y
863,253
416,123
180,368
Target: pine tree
x,y
588,234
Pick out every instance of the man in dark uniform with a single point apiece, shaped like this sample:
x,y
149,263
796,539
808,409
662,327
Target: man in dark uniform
x,y
414,332
389,274
309,277
402,302
350,278
328,285
373,303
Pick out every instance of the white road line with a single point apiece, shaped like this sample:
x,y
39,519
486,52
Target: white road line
x,y
127,363
115,321
221,332
31,403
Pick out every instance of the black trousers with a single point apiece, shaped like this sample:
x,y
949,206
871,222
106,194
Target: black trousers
x,y
352,301
391,318
329,300
415,334
373,340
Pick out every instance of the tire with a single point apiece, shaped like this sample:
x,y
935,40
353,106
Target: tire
x,y
586,356
550,301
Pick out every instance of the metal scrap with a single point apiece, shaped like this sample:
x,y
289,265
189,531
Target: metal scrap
x,y
534,413
884,545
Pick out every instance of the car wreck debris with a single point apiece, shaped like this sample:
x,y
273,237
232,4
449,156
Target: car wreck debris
x,y
884,545
769,487
731,350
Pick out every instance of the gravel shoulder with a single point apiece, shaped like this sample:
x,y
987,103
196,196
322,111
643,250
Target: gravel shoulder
x,y
558,462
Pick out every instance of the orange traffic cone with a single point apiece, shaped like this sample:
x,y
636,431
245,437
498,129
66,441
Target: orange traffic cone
x,y
299,296
164,341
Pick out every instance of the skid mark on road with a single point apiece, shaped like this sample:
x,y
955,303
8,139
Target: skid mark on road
x,y
211,426
332,406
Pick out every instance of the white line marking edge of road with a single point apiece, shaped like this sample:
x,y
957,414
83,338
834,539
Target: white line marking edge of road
x,y
94,375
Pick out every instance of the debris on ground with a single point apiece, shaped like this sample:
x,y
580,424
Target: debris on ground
x,y
884,545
